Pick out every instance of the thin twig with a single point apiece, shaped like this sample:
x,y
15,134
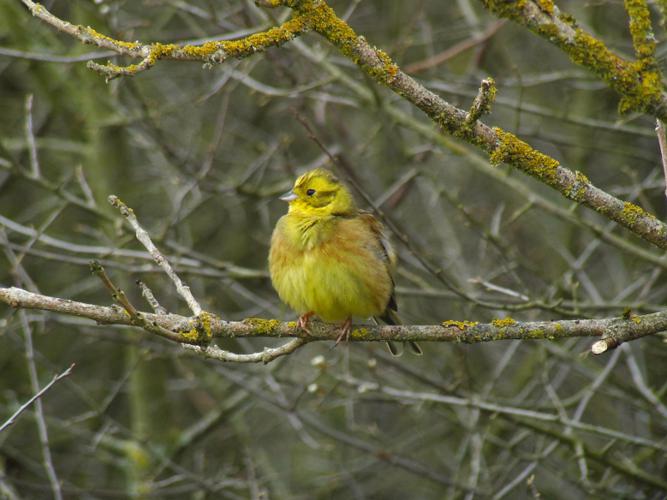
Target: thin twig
x,y
267,355
38,395
662,142
481,105
147,293
643,389
30,139
455,50
39,412
136,317
159,259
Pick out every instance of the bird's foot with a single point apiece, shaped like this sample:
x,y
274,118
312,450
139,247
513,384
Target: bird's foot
x,y
344,331
303,320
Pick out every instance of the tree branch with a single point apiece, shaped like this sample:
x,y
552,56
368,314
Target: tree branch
x,y
150,53
448,331
638,82
160,260
35,397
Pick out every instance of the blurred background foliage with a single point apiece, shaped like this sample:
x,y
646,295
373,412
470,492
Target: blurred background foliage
x,y
201,154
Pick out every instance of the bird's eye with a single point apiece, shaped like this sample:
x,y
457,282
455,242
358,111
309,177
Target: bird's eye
x,y
310,192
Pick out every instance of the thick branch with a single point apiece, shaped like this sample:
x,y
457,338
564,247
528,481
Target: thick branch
x,y
637,82
448,331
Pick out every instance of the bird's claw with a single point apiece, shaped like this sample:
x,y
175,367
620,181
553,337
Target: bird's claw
x,y
344,332
303,320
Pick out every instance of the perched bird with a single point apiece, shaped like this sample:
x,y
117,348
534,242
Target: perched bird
x,y
330,259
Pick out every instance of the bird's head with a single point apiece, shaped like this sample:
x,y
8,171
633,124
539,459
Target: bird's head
x,y
319,192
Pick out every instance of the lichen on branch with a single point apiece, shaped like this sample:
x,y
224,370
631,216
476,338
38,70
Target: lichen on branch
x,y
638,82
619,329
150,53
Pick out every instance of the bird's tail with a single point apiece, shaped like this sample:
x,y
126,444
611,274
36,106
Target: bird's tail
x,y
391,317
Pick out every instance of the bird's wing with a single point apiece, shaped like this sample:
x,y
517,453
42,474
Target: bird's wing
x,y
387,253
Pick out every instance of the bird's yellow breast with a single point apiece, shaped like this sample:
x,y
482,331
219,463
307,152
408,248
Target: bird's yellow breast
x,y
333,267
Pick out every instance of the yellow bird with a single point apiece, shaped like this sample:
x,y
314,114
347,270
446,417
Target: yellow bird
x,y
330,259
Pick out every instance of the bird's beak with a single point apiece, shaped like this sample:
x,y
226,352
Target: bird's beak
x,y
289,196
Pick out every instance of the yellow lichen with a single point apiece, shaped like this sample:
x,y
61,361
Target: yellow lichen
x,y
640,28
204,50
201,332
262,326
503,8
511,149
387,70
191,336
546,6
490,95
504,322
119,43
205,320
359,333
323,19
631,212
461,325
638,83
646,91
579,187
218,51
160,50
137,454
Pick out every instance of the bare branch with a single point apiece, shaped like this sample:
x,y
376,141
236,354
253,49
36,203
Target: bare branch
x,y
35,171
455,50
662,142
615,337
42,428
38,395
147,293
159,259
266,356
641,385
